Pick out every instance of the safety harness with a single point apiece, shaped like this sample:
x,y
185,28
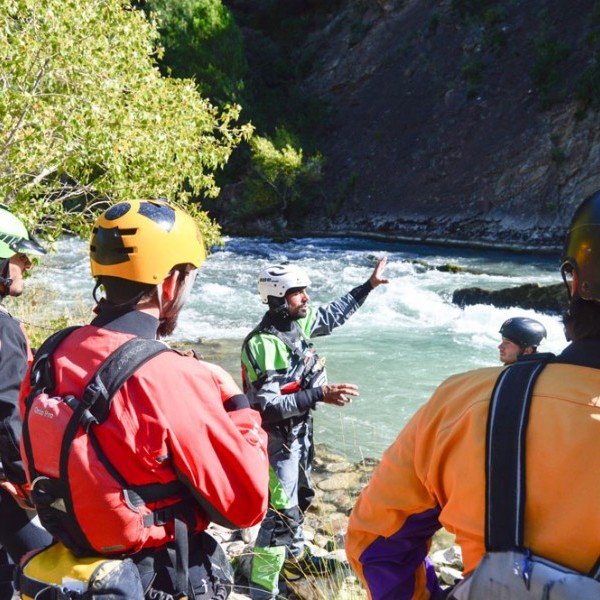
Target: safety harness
x,y
265,327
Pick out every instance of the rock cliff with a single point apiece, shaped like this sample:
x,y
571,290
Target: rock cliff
x,y
454,120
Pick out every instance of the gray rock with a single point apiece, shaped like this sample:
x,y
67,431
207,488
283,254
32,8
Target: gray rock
x,y
550,299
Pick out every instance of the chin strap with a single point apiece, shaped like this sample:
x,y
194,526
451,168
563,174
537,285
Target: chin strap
x,y
132,302
566,282
4,280
278,307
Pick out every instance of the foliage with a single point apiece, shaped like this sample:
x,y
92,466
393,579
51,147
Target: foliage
x,y
279,176
472,72
273,94
588,86
473,8
201,40
550,53
86,118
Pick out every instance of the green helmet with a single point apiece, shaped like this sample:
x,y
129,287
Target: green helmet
x,y
581,253
14,237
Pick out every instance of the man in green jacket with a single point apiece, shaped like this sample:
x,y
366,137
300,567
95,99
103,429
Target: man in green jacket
x,y
285,379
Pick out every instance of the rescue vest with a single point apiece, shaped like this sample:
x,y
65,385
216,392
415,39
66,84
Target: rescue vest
x,y
310,372
79,493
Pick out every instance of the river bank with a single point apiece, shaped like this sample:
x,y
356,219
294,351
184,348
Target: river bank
x,y
514,239
337,483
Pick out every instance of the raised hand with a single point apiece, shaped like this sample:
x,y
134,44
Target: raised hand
x,y
377,275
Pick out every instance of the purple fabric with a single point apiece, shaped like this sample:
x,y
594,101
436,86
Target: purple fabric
x,y
389,564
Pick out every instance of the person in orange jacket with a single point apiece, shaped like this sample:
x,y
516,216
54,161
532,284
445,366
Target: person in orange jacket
x,y
19,529
176,419
434,474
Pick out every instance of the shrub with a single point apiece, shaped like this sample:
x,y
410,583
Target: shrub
x,y
281,176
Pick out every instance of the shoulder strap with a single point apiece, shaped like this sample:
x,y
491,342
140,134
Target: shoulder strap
x,y
108,379
115,371
245,346
505,454
41,376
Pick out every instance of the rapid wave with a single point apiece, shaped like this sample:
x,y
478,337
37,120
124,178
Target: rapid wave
x,y
397,348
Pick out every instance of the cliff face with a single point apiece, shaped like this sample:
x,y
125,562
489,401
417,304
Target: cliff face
x,y
454,120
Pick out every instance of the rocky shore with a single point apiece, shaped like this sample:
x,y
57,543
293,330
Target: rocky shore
x,y
337,484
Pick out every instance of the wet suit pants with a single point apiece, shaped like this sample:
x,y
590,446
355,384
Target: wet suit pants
x,y
290,493
19,533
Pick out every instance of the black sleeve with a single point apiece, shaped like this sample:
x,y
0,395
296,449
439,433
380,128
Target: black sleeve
x,y
13,366
361,292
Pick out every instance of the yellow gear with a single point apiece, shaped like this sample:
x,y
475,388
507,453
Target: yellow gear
x,y
142,240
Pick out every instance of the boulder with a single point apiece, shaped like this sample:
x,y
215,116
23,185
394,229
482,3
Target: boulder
x,y
549,299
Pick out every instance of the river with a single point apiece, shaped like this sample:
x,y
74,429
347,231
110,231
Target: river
x,y
397,348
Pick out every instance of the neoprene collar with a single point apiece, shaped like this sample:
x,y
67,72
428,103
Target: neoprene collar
x,y
126,320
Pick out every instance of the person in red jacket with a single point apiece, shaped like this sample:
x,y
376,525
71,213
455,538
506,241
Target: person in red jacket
x,y
176,419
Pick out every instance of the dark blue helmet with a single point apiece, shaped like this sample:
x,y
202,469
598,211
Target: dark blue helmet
x,y
523,331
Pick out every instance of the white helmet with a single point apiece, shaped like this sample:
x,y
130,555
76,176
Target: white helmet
x,y
279,279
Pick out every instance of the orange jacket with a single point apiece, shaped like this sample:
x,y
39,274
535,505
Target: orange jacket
x,y
433,475
175,418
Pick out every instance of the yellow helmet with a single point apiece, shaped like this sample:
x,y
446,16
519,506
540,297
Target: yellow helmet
x,y
142,240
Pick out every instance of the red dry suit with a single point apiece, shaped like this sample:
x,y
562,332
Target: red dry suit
x,y
170,421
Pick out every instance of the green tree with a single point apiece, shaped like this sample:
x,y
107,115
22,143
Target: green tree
x,y
86,117
201,40
280,176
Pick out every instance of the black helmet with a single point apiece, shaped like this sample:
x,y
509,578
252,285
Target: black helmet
x,y
581,253
523,331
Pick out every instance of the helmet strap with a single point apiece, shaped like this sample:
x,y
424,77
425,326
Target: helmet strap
x,y
6,282
567,285
278,306
128,303
159,296
95,291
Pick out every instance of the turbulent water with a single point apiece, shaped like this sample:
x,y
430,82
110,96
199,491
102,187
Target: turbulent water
x,y
397,348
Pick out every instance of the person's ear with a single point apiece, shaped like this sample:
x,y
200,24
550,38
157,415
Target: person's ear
x,y
574,284
170,286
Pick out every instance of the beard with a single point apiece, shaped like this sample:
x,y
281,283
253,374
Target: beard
x,y
167,326
299,313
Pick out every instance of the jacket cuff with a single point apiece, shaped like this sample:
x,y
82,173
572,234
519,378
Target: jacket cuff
x,y
307,399
361,292
236,402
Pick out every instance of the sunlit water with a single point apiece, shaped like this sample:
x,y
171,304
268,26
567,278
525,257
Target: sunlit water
x,y
397,348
